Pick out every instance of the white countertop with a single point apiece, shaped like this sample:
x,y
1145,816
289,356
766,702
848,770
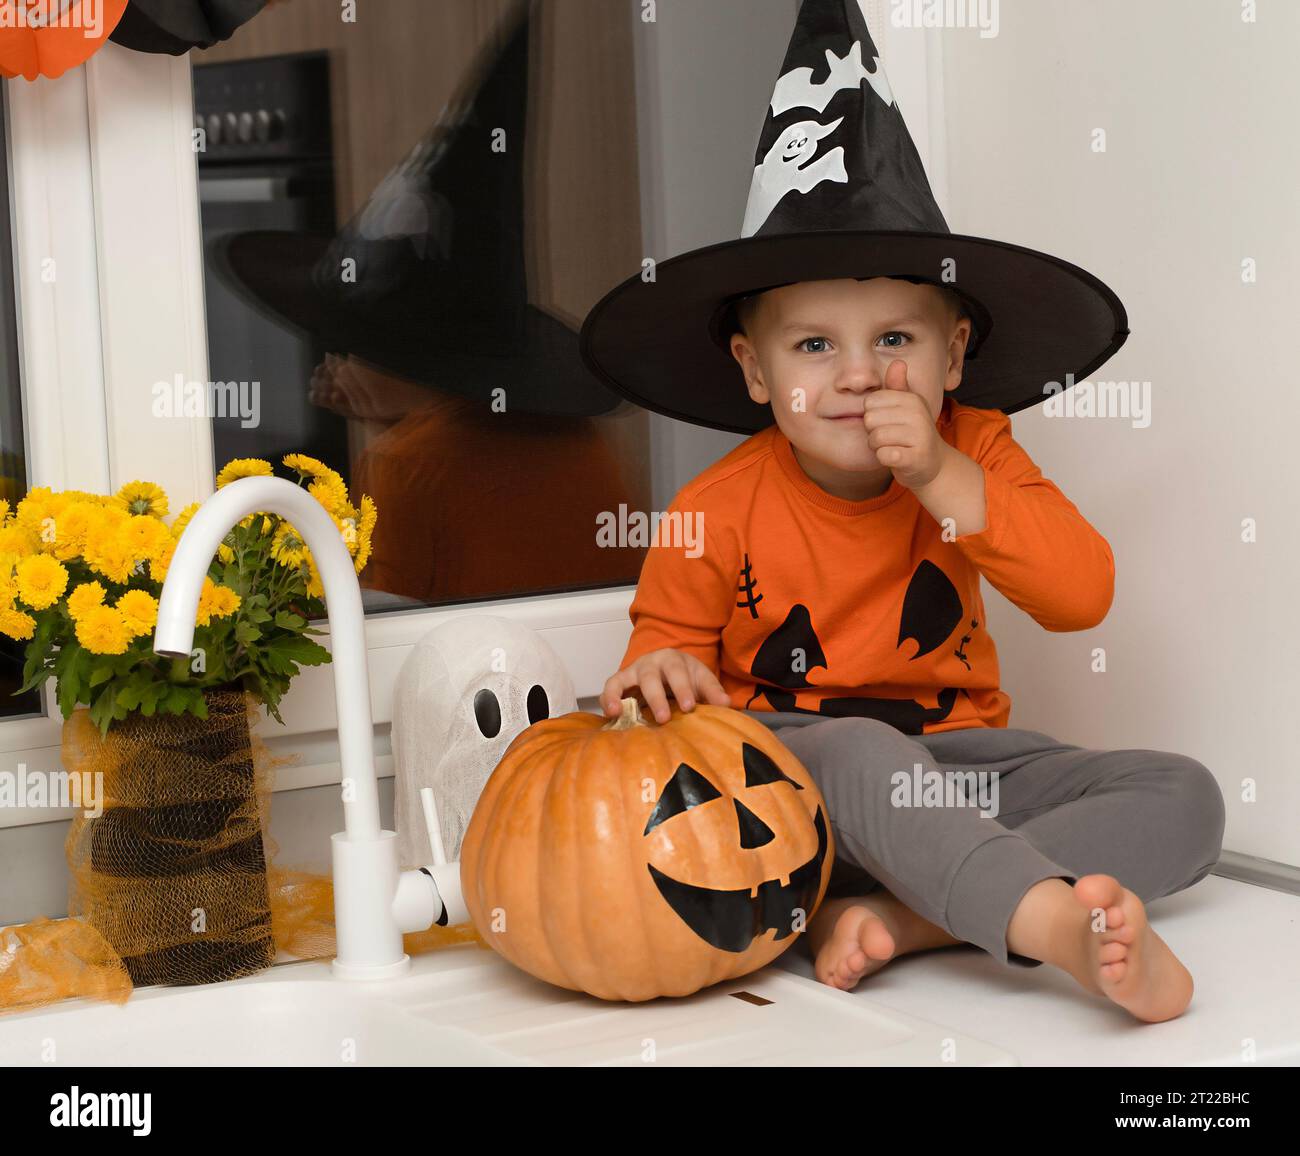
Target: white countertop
x,y
1241,943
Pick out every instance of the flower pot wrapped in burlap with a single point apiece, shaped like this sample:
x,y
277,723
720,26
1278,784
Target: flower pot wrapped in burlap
x,y
173,872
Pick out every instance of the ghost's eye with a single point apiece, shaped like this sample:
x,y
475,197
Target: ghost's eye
x,y
487,713
539,707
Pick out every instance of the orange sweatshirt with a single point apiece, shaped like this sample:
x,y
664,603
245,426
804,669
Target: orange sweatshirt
x,y
801,601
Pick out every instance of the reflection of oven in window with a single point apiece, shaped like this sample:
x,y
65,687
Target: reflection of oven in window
x,y
266,164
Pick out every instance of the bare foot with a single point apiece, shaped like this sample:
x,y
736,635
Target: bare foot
x,y
1123,958
853,936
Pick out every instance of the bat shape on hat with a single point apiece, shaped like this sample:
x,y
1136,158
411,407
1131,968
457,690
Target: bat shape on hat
x,y
796,89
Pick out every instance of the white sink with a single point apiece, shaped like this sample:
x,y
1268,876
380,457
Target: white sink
x,y
464,1005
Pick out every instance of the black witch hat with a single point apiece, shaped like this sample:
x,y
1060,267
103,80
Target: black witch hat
x,y
436,285
839,191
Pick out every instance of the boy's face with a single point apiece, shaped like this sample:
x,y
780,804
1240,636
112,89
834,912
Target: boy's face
x,y
817,348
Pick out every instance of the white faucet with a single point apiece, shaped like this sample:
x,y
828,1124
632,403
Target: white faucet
x,y
374,901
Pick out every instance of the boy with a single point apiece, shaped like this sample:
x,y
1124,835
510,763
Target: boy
x,y
872,362
837,595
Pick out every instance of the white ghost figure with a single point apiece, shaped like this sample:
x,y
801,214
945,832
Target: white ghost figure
x,y
796,88
465,691
784,170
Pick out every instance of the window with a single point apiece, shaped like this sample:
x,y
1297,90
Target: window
x,y
13,454
398,254
107,180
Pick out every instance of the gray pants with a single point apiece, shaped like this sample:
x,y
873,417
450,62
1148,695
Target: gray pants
x,y
1152,819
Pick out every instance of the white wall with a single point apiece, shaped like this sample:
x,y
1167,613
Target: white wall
x,y
704,77
1199,174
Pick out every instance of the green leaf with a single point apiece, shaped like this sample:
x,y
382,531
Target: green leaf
x,y
275,661
288,620
302,650
101,674
247,632
176,699
36,679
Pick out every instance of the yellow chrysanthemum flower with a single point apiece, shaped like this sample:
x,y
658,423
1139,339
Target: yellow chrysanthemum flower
x,y
103,630
71,527
16,624
16,538
5,509
225,553
145,536
84,598
315,587
110,553
35,507
287,547
139,610
204,615
158,566
331,493
216,602
308,467
183,519
224,602
41,581
243,468
365,531
142,498
347,528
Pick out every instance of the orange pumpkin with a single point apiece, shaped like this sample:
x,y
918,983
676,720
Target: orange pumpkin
x,y
632,860
47,37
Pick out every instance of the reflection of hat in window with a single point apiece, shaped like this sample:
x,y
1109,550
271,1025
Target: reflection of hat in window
x,y
428,280
838,190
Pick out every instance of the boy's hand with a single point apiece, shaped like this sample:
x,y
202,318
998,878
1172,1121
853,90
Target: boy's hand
x,y
687,677
902,430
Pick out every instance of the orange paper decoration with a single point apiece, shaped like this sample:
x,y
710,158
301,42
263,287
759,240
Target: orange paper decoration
x,y
47,37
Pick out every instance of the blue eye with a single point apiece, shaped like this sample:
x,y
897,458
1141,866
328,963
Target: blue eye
x,y
897,333
805,342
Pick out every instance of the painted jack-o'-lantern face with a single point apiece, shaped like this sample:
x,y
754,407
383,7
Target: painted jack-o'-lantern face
x,y
730,913
632,859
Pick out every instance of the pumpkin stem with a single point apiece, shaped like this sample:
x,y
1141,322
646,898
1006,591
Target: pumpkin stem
x,y
631,717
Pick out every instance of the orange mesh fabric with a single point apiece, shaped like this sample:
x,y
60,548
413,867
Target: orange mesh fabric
x,y
52,959
173,872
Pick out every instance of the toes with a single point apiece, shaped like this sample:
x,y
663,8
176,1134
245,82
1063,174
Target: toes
x,y
1112,952
1103,891
1113,972
875,939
